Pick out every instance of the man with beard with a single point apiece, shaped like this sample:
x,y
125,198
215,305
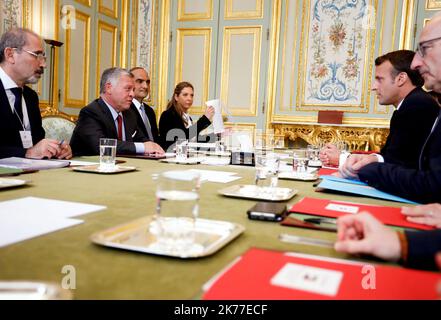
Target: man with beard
x,y
22,61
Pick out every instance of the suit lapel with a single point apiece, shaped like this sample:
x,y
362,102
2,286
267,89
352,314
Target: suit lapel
x,y
109,121
434,127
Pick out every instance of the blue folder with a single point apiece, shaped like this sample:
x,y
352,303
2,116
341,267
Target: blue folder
x,y
357,187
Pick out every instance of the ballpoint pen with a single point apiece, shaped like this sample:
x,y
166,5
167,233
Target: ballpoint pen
x,y
321,220
303,240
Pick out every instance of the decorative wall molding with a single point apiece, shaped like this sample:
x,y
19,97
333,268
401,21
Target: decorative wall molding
x,y
11,12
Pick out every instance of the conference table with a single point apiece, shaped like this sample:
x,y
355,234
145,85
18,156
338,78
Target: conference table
x,y
106,273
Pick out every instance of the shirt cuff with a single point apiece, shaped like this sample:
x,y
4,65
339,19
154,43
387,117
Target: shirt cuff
x,y
342,158
140,149
379,157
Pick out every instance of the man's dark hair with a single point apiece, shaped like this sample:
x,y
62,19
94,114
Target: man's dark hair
x,y
401,61
14,38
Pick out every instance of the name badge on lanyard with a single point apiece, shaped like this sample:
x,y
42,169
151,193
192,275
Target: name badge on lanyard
x,y
26,139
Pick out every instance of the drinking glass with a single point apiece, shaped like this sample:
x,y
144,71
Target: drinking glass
x,y
107,154
177,208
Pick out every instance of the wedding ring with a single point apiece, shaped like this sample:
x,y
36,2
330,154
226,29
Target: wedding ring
x,y
430,213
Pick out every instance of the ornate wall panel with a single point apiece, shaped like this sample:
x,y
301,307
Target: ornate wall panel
x,y
108,7
77,52
10,14
243,9
336,39
106,48
193,55
433,5
195,10
241,69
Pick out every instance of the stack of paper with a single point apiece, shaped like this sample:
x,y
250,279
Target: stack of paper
x,y
32,164
29,217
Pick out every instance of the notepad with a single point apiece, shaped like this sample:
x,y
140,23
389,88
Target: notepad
x,y
29,217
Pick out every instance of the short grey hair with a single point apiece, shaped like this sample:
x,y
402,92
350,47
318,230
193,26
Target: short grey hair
x,y
14,38
112,75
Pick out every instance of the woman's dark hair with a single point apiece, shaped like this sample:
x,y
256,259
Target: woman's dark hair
x,y
174,104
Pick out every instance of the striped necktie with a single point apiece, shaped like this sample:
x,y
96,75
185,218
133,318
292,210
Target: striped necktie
x,y
119,119
146,121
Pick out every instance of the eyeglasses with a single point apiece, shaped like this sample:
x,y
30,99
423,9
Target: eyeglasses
x,y
422,46
41,56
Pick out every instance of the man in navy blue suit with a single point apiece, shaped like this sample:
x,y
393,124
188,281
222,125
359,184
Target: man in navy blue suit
x,y
362,233
22,61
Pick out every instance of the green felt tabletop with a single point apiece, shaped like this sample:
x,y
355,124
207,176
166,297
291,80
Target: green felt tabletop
x,y
105,273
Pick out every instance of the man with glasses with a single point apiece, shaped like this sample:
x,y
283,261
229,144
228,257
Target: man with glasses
x,y
424,183
22,61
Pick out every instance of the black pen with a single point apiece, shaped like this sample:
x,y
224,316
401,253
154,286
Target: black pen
x,y
321,220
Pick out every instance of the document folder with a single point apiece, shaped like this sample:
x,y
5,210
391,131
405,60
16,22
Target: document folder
x,y
271,275
333,209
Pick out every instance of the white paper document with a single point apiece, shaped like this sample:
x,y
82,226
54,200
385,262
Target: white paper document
x,y
306,278
32,164
218,122
30,217
216,176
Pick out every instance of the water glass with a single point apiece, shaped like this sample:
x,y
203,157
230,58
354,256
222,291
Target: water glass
x,y
267,171
177,208
107,154
299,164
182,150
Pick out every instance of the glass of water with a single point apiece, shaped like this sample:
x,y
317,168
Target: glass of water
x,y
107,154
177,208
182,149
267,172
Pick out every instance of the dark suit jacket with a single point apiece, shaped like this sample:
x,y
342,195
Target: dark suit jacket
x,y
95,121
419,185
171,127
409,128
10,141
152,119
422,247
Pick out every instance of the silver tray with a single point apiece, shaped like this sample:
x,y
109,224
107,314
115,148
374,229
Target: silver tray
x,y
301,176
249,191
210,236
96,169
30,290
192,160
11,183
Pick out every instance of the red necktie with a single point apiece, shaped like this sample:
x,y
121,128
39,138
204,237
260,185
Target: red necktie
x,y
119,119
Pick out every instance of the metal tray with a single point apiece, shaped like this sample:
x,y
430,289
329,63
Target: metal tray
x,y
210,236
30,290
96,169
302,176
192,160
11,183
249,191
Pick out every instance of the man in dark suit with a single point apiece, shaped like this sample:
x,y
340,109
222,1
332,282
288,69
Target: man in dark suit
x,y
145,114
424,183
110,116
398,85
22,61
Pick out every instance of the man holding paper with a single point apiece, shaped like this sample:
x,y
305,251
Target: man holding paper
x,y
22,61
